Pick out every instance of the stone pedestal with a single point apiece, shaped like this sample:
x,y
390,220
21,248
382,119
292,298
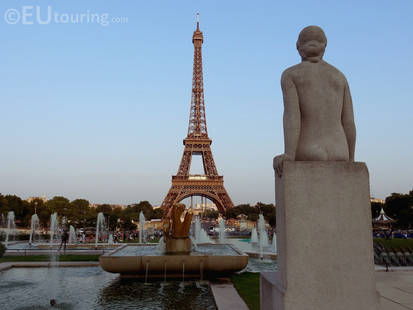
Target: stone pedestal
x,y
178,245
324,239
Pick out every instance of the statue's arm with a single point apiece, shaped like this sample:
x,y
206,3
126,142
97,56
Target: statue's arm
x,y
347,120
292,116
292,123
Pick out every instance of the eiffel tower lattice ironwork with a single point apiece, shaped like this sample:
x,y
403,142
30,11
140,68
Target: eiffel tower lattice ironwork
x,y
209,185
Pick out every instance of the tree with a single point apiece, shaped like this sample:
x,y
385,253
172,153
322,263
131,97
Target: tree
x,y
79,212
20,208
268,211
157,213
211,214
59,204
38,206
145,207
376,208
400,207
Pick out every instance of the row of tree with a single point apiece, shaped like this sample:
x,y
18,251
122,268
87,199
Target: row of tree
x,y
80,213
397,206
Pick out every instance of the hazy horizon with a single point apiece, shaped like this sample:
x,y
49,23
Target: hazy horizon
x,y
99,112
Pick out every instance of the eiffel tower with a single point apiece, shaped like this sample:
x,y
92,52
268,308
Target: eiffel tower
x,y
208,185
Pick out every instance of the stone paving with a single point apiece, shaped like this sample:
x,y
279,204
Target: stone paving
x,y
226,296
396,289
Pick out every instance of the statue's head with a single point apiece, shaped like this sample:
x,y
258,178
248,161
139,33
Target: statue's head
x,y
311,43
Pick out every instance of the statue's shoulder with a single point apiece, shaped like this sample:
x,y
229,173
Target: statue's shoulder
x,y
334,70
291,72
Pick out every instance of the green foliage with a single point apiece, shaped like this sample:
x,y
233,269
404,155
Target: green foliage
x,y
157,213
59,204
376,208
396,244
80,214
42,211
211,214
2,249
400,208
268,211
20,207
248,287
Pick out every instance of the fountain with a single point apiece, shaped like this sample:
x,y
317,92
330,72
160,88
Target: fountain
x,y
54,224
174,256
254,236
263,234
197,226
200,234
110,239
34,226
2,225
72,235
274,243
221,224
203,237
11,227
142,221
100,226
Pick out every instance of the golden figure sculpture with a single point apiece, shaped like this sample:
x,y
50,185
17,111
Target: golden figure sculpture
x,y
175,230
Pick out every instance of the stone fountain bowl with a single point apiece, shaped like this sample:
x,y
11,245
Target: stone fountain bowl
x,y
137,260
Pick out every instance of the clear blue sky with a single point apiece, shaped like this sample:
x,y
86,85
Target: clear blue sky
x,y
99,112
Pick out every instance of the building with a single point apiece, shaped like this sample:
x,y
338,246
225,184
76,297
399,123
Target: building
x,y
43,198
378,200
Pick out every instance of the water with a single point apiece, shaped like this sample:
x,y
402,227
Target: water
x,y
254,236
110,239
259,265
246,245
11,227
263,234
34,227
221,224
197,233
203,237
200,234
161,247
100,227
53,270
54,227
155,250
142,221
87,288
274,243
2,225
72,235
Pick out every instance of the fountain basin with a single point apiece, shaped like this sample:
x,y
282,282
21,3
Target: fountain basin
x,y
208,259
78,246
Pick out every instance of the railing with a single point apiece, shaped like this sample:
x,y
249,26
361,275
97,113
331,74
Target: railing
x,y
197,177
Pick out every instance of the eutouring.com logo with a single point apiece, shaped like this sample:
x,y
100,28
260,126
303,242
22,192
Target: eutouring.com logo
x,y
29,15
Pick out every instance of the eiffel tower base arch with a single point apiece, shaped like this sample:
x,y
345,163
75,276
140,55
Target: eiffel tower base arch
x,y
212,189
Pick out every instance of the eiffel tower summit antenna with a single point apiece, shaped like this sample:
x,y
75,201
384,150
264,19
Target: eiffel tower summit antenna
x,y
209,184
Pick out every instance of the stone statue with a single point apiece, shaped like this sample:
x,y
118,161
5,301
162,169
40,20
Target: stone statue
x,y
318,111
176,231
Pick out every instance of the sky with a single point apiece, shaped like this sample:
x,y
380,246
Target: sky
x,y
98,109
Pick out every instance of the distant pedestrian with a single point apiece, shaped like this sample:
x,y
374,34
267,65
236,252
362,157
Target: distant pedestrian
x,y
65,237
